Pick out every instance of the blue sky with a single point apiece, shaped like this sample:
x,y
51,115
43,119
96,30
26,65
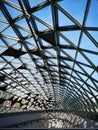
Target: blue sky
x,y
76,10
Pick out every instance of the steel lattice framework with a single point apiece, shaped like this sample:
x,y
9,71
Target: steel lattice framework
x,y
47,65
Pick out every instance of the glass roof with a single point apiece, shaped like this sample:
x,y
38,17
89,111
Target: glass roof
x,y
48,55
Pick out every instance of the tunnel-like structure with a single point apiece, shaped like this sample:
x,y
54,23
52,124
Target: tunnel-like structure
x,y
49,59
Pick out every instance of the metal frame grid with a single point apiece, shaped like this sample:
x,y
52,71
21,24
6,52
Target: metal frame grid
x,y
44,66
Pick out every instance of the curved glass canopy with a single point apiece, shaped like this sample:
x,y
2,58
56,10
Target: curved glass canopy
x,y
49,55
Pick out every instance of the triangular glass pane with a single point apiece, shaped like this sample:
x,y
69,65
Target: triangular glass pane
x,y
95,75
31,47
87,44
62,41
80,82
70,52
46,44
75,80
2,49
84,92
45,14
91,21
91,84
85,87
2,25
96,83
87,69
73,36
41,27
82,77
63,20
11,10
93,58
51,51
16,63
8,58
74,8
23,33
76,67
69,63
31,41
93,90
62,63
75,75
2,64
14,2
22,23
19,46
2,16
2,44
10,41
94,34
9,31
81,59
67,70
62,54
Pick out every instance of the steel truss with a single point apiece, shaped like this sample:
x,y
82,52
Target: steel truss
x,y
38,70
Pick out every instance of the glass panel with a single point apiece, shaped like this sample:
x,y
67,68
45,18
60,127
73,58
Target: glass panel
x,y
15,11
94,34
40,26
73,36
76,8
45,15
65,21
92,14
87,44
